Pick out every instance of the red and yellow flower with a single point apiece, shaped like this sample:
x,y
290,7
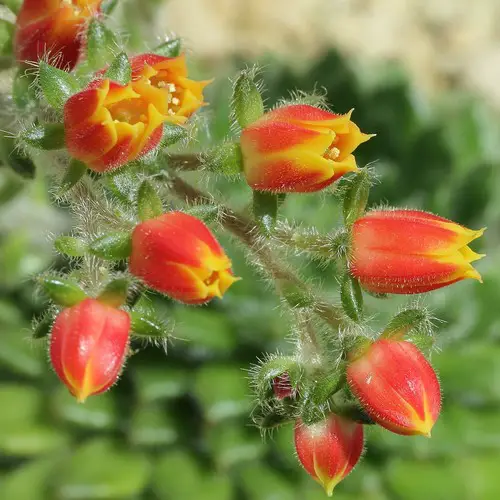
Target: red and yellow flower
x,y
52,29
177,254
108,124
88,346
329,450
409,251
396,386
299,148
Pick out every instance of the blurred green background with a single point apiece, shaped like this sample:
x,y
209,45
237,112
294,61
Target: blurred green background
x,y
177,426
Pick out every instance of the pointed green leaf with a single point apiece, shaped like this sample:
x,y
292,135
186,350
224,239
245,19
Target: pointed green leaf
x,y
225,159
149,204
63,292
101,44
120,71
356,197
147,325
43,327
351,297
170,48
112,246
107,6
47,137
206,213
172,134
57,85
412,319
76,170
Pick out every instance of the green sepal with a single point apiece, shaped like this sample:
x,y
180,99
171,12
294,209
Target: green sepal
x,y
115,292
343,403
145,325
112,246
24,89
172,134
351,297
63,292
356,197
76,170
57,85
16,158
149,204
265,210
48,136
247,103
226,159
325,386
410,320
101,44
170,48
120,70
266,420
107,6
68,245
42,327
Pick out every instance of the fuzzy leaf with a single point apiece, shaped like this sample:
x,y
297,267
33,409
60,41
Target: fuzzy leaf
x,y
76,170
43,327
351,297
101,44
48,137
63,292
112,246
172,134
207,213
226,159
247,102
406,321
67,245
120,70
356,198
170,48
107,6
149,204
57,85
24,90
148,326
16,158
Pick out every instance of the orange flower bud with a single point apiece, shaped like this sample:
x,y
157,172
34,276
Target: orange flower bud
x,y
52,29
329,450
409,251
299,148
176,254
88,347
396,386
108,124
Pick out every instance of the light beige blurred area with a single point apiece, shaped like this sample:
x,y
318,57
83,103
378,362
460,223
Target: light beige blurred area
x,y
443,43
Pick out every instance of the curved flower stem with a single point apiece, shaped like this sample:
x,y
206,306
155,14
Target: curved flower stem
x,y
247,232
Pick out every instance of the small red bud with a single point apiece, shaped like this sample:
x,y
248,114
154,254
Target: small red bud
x,y
329,450
88,347
396,386
282,387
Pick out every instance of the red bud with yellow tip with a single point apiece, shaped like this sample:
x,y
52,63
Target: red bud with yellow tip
x,y
299,148
396,386
178,255
88,346
329,450
410,251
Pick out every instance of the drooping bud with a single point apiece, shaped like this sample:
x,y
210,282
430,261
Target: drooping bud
x,y
177,254
299,148
88,346
396,386
329,450
410,251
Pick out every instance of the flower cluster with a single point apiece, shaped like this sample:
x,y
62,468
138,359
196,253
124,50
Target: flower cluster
x,y
145,229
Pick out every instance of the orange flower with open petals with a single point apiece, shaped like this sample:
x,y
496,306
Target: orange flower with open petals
x,y
108,124
299,148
